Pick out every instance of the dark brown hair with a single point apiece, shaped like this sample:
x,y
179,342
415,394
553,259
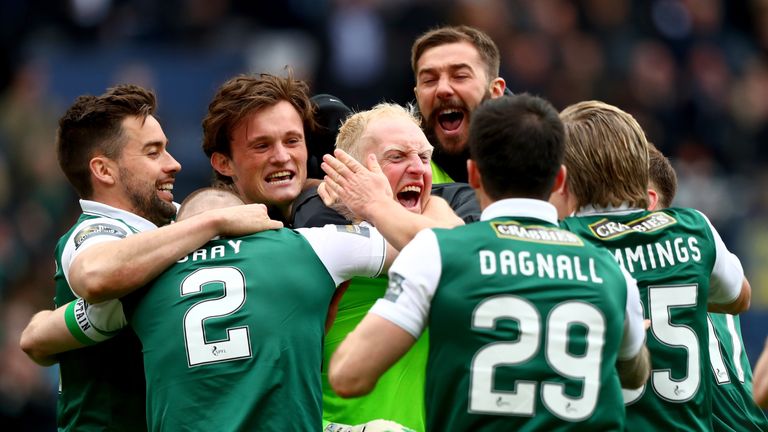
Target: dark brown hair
x,y
485,46
92,126
243,95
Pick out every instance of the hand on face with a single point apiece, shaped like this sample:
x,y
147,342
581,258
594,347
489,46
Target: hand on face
x,y
355,185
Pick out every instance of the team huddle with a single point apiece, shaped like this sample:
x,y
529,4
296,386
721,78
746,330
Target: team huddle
x,y
543,282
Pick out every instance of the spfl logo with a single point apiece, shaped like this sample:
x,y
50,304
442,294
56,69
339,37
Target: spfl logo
x,y
395,287
217,351
97,230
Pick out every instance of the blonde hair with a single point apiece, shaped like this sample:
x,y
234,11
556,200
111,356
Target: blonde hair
x,y
606,153
351,131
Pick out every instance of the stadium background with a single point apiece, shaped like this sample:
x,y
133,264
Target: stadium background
x,y
693,72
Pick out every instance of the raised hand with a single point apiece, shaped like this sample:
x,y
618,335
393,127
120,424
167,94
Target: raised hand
x,y
355,185
244,219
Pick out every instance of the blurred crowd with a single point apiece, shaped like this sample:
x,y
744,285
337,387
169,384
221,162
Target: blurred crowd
x,y
693,72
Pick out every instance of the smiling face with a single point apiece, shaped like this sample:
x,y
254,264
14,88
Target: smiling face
x,y
268,162
404,154
146,170
451,81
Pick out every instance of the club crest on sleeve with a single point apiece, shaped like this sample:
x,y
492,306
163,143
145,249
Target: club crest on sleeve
x,y
97,230
354,229
394,287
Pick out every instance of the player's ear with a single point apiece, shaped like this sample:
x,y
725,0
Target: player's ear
x,y
560,196
103,170
222,164
653,199
473,175
497,87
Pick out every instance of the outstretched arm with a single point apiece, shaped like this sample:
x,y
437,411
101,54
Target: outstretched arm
x,y
365,354
109,270
47,335
367,193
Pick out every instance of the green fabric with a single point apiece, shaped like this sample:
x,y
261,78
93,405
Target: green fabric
x,y
233,336
484,314
438,175
102,386
399,393
732,405
671,253
71,320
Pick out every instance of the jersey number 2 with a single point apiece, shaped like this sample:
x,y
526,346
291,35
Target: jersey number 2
x,y
200,349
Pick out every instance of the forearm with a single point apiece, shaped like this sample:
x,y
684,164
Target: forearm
x,y
399,226
365,354
633,373
113,269
760,379
47,335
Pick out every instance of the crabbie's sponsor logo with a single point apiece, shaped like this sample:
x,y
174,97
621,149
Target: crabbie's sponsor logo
x,y
539,234
605,229
97,230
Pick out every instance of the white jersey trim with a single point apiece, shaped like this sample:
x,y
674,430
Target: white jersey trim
x,y
413,280
727,273
348,250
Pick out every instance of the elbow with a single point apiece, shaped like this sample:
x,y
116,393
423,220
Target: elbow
x,y
740,305
348,385
89,283
34,351
744,300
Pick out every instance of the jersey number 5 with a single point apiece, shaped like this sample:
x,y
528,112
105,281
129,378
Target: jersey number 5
x,y
484,399
661,300
200,349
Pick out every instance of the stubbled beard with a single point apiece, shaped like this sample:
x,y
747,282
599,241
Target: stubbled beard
x,y
144,199
431,124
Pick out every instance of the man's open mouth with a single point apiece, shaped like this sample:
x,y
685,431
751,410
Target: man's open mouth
x,y
280,177
409,196
450,119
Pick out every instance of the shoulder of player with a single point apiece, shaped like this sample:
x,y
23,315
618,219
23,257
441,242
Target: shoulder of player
x,y
94,226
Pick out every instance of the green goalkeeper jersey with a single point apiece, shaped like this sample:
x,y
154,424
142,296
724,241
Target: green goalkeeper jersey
x,y
399,393
680,264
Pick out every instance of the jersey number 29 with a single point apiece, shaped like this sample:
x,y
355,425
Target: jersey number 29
x,y
485,399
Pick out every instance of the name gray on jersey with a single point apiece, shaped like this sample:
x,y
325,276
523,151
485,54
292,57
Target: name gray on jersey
x,y
213,252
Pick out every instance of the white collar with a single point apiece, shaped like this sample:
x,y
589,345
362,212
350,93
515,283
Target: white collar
x,y
135,221
595,210
521,207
